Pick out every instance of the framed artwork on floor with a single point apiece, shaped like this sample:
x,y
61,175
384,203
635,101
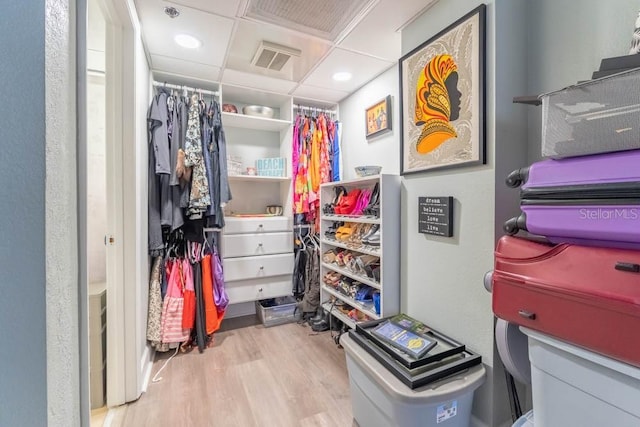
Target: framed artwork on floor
x,y
442,97
378,118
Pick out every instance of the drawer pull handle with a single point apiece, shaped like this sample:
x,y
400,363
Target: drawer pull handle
x,y
260,290
262,267
628,266
259,245
527,314
260,226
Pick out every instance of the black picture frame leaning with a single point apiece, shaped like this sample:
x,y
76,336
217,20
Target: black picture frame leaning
x,y
426,127
423,375
448,347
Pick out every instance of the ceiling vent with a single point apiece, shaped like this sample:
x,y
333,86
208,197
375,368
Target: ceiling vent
x,y
273,56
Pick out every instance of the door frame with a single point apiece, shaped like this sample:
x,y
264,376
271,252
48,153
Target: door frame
x,y
125,367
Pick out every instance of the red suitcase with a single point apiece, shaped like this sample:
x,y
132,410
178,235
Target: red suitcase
x,y
584,295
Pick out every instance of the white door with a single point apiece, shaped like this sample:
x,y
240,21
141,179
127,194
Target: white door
x,y
128,357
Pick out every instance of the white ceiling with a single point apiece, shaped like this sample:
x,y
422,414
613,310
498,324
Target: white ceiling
x,y
367,45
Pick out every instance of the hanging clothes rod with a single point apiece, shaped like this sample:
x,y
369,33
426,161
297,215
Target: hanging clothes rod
x,y
309,108
301,226
190,89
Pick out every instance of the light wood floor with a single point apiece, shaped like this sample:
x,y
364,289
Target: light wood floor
x,y
253,376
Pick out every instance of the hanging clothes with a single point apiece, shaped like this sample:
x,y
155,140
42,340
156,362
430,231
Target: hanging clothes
x,y
336,161
311,299
173,307
154,313
188,186
315,160
201,330
186,277
159,205
199,199
213,165
220,296
213,319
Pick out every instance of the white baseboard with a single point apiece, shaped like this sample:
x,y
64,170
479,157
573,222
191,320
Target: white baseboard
x,y
147,366
115,416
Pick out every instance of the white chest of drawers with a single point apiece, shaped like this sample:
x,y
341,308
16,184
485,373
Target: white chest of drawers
x,y
257,257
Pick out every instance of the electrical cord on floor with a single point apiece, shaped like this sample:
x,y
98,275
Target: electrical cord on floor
x,y
514,400
155,378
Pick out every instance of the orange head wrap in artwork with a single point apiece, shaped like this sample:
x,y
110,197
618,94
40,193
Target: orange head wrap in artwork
x,y
433,104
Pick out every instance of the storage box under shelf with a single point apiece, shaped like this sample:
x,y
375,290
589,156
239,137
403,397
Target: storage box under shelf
x,y
283,311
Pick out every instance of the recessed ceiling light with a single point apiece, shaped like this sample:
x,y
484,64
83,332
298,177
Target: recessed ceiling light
x,y
342,76
187,41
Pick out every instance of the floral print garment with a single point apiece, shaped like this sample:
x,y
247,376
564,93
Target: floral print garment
x,y
199,198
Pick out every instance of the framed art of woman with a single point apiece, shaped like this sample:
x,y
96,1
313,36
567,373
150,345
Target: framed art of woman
x,y
442,98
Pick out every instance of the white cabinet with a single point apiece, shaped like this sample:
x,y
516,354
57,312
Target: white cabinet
x,y
257,252
386,280
250,138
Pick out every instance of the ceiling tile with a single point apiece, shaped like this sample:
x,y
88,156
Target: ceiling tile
x,y
240,78
179,66
219,7
247,38
325,19
159,30
385,20
319,93
362,67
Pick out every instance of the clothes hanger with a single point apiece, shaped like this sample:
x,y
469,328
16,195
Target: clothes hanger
x,y
300,239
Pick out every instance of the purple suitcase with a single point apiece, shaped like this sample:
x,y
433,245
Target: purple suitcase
x,y
590,200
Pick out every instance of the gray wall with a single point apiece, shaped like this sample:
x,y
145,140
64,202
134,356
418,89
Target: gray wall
x,y
23,385
510,140
442,277
566,45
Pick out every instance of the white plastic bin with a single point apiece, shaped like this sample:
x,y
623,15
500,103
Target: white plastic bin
x,y
525,421
573,386
379,399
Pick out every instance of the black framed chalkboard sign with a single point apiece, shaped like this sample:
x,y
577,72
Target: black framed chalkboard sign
x,y
435,216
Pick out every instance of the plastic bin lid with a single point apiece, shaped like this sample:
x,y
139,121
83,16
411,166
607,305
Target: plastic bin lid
x,y
607,362
445,389
525,421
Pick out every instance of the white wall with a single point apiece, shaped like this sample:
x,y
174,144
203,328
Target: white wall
x,y
355,148
60,207
567,44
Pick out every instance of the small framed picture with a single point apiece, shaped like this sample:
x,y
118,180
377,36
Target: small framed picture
x,y
378,117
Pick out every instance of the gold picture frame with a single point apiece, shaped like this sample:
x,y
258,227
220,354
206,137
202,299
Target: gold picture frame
x,y
378,118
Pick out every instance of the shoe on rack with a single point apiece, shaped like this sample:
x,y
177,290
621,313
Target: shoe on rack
x,y
373,206
372,230
348,202
373,239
